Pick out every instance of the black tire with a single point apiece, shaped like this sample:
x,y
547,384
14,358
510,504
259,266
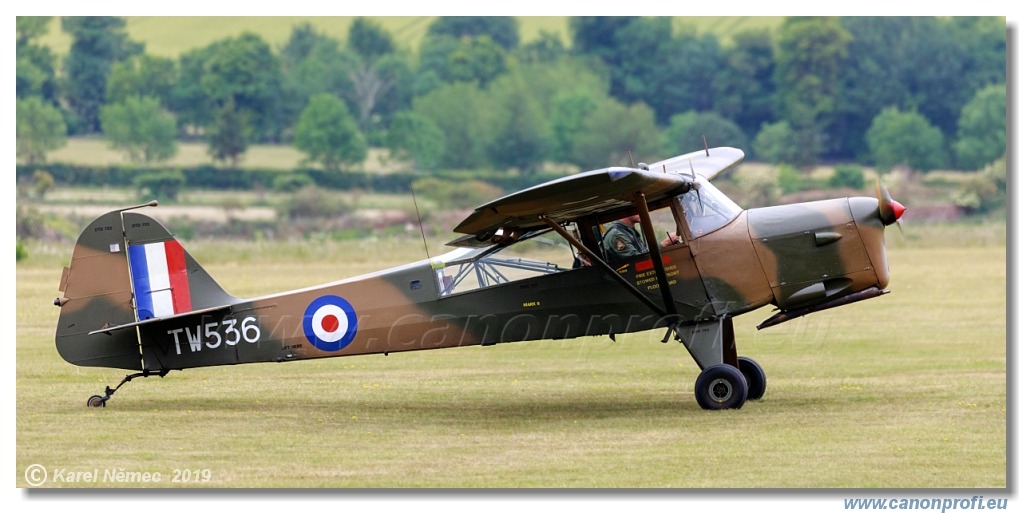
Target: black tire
x,y
757,382
720,387
96,401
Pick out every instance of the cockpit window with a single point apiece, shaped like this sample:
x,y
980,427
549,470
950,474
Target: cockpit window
x,y
706,209
534,255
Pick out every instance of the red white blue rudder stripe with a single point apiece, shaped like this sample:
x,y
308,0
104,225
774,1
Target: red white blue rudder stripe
x,y
159,279
330,323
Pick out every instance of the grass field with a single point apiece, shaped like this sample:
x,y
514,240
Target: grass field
x,y
904,391
90,151
162,34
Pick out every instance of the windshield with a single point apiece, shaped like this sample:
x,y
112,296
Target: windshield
x,y
706,209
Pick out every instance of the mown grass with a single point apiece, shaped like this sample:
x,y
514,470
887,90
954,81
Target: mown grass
x,y
91,151
904,391
162,34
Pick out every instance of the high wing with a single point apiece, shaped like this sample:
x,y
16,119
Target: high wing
x,y
707,163
593,192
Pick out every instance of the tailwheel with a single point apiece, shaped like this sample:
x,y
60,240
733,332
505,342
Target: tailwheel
x,y
720,387
98,401
757,382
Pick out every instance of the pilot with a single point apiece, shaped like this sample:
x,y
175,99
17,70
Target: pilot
x,y
622,241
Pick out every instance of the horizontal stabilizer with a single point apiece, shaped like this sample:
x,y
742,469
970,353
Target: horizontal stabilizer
x,y
152,320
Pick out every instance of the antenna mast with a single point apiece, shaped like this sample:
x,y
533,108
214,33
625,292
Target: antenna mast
x,y
419,220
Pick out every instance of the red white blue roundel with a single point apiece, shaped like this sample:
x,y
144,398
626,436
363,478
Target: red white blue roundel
x,y
330,323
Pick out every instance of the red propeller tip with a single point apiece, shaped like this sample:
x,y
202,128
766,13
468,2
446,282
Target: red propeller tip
x,y
898,209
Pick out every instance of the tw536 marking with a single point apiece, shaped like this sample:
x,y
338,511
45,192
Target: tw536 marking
x,y
217,334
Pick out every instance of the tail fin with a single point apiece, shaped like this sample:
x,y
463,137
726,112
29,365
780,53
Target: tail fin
x,y
125,268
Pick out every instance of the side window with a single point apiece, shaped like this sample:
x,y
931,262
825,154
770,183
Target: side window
x,y
466,270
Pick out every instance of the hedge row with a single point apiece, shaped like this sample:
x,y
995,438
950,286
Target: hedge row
x,y
212,177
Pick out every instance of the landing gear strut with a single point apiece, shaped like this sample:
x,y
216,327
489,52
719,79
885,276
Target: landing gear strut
x,y
100,401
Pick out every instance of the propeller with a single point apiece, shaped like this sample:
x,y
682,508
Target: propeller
x,y
889,210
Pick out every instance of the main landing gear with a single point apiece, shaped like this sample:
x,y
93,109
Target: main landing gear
x,y
98,401
722,386
726,381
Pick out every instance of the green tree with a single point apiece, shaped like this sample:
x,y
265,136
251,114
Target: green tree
x,y
981,133
143,75
745,86
503,30
369,40
194,109
229,135
808,62
905,138
686,132
35,73
140,128
615,131
245,70
455,110
776,143
313,64
568,112
40,129
547,48
413,137
518,136
475,59
596,36
953,58
97,43
327,134
688,64
847,175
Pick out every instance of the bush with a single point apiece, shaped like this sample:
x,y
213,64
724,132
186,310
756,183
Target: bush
x,y
160,185
22,253
758,188
291,182
313,202
985,191
461,194
847,175
790,180
42,182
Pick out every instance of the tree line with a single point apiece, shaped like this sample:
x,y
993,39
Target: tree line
x,y
923,92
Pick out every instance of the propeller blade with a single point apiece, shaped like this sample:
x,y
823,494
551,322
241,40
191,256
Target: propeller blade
x,y
889,210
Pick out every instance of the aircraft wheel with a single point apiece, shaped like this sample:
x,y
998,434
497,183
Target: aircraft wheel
x,y
721,387
96,401
757,382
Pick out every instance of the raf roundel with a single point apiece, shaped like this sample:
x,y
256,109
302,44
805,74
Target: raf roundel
x,y
330,323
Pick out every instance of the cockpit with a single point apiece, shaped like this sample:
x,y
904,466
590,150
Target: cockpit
x,y
700,211
706,208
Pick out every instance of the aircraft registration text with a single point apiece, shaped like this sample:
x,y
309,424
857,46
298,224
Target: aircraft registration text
x,y
228,332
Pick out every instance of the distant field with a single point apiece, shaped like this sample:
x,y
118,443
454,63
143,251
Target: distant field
x,y
163,34
89,151
903,391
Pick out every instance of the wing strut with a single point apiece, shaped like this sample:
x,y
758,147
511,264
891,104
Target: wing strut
x,y
598,261
655,250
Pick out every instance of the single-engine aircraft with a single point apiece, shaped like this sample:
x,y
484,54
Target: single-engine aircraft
x,y
133,298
